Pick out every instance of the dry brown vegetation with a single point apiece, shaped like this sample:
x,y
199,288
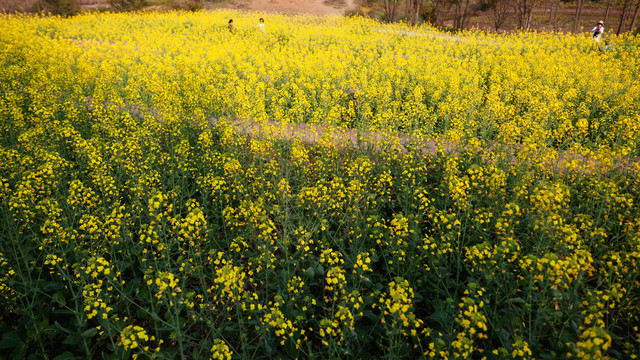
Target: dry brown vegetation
x,y
17,5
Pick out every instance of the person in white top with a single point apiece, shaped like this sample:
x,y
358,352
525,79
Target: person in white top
x,y
261,25
597,31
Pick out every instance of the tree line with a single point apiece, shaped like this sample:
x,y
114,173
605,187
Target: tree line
x,y
521,11
73,7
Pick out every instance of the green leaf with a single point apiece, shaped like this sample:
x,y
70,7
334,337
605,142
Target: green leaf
x,y
20,352
89,333
290,348
4,328
418,298
52,286
269,350
371,316
59,298
43,324
71,340
51,331
110,346
517,300
9,340
144,293
132,286
65,356
439,317
62,312
310,272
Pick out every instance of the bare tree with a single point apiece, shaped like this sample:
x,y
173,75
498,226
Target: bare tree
x,y
635,16
391,9
499,8
579,6
126,5
59,7
606,11
523,10
461,14
440,9
500,12
624,16
413,11
553,10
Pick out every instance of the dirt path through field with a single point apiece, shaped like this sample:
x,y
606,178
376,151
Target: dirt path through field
x,y
562,161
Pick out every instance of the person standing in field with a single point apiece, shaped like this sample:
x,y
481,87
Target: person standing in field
x,y
261,25
597,31
231,26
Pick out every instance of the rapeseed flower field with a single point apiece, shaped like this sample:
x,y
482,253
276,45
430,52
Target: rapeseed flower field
x,y
140,221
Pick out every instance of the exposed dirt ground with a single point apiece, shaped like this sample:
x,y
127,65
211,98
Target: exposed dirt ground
x,y
316,7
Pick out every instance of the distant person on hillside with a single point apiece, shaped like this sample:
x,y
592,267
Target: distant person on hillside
x,y
231,26
261,25
597,31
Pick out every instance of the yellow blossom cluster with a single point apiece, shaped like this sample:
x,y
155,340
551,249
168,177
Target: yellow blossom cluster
x,y
220,350
229,282
399,305
95,305
6,292
133,336
163,282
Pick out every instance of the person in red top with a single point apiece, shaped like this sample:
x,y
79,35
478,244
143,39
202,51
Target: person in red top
x,y
597,31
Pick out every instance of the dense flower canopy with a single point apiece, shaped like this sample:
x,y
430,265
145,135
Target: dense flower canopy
x,y
464,195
